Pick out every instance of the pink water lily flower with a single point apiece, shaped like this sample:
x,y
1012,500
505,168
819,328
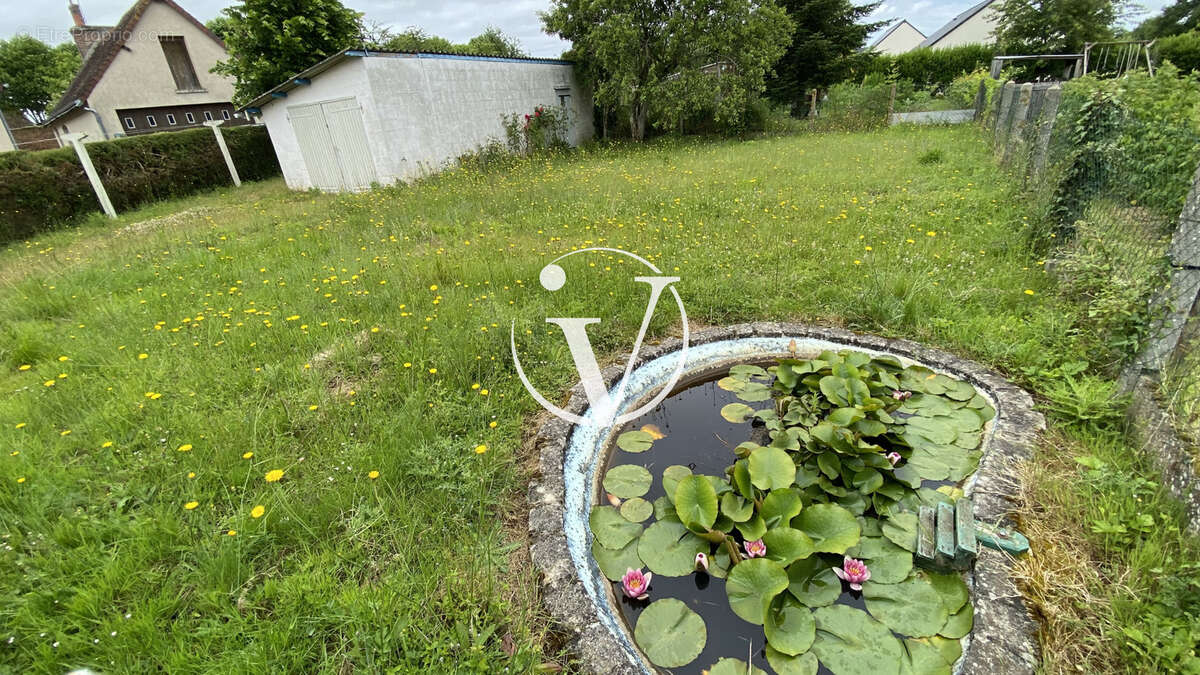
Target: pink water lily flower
x,y
635,584
893,457
901,395
756,549
853,571
701,562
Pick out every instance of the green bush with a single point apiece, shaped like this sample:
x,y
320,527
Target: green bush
x,y
963,89
932,68
45,190
1181,50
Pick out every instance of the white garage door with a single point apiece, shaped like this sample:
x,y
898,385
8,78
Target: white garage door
x,y
334,145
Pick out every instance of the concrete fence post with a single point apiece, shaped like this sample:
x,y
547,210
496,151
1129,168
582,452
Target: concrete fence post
x,y
1181,294
1046,129
215,125
980,100
1003,113
76,141
1016,132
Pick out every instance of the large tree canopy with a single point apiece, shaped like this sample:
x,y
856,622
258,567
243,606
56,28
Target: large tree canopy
x,y
827,38
491,42
673,56
1176,19
271,40
1055,26
33,75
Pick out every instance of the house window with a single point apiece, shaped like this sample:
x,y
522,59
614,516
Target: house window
x,y
190,118
180,63
170,119
129,123
151,121
207,116
225,114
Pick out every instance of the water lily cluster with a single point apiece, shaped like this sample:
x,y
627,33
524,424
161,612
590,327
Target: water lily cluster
x,y
818,504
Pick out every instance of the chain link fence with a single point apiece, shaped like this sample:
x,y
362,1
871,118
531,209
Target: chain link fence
x,y
1112,167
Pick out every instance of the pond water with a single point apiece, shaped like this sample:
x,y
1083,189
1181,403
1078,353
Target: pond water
x,y
698,437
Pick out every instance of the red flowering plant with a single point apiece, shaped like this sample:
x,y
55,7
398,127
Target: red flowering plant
x,y
543,129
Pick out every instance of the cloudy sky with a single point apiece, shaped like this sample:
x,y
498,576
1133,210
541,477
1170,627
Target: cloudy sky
x,y
457,20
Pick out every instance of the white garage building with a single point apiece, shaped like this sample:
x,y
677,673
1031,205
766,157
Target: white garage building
x,y
362,117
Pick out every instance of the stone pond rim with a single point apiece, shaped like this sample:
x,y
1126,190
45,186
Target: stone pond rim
x,y
1003,639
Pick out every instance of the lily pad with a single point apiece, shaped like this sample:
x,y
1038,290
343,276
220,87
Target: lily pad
x,y
789,626
921,657
729,666
670,634
911,607
804,664
636,510
737,412
959,623
901,529
614,563
627,481
753,529
671,477
783,504
736,507
951,650
771,468
751,586
848,642
635,441
669,549
813,582
696,502
665,510
950,588
610,529
785,545
832,528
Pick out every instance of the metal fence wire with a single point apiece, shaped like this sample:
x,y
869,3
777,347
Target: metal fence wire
x,y
1119,230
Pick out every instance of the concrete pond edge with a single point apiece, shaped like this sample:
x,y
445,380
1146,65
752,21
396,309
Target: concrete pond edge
x,y
1151,426
1003,639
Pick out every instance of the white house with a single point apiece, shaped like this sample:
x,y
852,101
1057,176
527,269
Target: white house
x,y
977,25
148,73
361,117
901,37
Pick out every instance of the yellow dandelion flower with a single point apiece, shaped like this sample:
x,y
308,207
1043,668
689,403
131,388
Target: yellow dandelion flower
x,y
1028,292
143,357
191,505
48,383
21,425
433,371
373,475
258,511
191,474
274,475
492,424
312,408
186,447
433,287
106,444
475,386
480,449
65,432
24,367
232,533
247,455
64,358
483,392
21,479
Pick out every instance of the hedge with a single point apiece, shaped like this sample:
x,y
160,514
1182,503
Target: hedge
x,y
927,67
45,190
1181,50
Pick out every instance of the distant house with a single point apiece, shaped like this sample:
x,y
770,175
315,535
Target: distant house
x,y
363,117
148,73
901,37
977,25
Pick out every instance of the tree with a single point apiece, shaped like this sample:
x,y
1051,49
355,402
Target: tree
x,y
34,75
823,48
414,39
493,42
1179,18
1055,26
677,56
271,40
219,26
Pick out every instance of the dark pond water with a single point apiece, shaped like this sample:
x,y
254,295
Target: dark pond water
x,y
699,438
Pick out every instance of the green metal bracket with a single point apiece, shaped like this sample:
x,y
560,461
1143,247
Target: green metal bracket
x,y
948,536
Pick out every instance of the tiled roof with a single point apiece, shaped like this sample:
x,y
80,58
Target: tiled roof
x,y
101,54
955,23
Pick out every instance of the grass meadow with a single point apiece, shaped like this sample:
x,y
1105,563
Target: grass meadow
x,y
265,431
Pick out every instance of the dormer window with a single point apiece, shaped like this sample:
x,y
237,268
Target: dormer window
x,y
180,63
